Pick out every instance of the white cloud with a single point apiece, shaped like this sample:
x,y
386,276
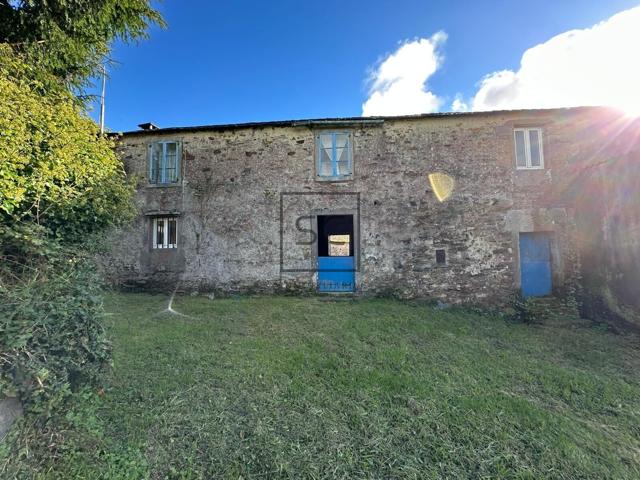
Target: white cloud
x,y
459,105
398,84
592,66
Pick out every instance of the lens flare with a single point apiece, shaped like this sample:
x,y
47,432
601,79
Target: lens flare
x,y
442,185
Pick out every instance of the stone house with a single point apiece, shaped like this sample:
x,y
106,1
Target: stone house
x,y
460,207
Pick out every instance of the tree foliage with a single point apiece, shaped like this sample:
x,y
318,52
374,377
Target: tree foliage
x,y
70,38
61,182
59,179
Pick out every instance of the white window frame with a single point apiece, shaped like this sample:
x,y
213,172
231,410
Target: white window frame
x,y
318,148
527,149
161,176
165,233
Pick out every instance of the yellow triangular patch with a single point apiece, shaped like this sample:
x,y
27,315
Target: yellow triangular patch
x,y
442,185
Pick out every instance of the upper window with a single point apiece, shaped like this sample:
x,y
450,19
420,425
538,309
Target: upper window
x,y
528,148
165,232
334,155
164,162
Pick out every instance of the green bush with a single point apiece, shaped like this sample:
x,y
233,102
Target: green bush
x,y
59,179
522,309
51,334
61,182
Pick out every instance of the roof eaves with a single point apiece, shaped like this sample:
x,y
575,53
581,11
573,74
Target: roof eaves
x,y
343,121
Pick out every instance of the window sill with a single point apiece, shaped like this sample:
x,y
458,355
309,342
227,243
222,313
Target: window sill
x,y
334,179
163,185
529,168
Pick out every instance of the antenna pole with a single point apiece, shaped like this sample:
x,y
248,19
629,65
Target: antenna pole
x,y
104,86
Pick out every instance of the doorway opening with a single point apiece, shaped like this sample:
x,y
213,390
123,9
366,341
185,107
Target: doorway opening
x,y
336,258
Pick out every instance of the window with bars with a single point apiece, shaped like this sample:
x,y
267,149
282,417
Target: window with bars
x,y
334,155
528,143
164,162
165,232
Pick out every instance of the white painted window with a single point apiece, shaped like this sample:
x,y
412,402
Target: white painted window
x,y
165,232
528,142
334,155
164,162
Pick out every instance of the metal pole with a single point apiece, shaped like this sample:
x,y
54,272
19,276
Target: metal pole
x,y
104,85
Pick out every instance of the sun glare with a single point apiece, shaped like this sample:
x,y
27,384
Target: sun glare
x,y
442,185
622,90
630,109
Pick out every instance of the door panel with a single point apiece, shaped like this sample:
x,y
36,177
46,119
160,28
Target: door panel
x,y
535,264
336,274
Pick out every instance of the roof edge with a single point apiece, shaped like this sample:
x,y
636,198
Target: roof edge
x,y
347,121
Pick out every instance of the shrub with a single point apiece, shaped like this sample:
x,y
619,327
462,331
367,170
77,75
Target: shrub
x,y
60,183
51,334
522,309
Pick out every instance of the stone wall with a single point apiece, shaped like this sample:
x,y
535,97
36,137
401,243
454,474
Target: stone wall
x,y
236,178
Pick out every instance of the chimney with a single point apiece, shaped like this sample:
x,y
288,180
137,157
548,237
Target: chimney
x,y
148,126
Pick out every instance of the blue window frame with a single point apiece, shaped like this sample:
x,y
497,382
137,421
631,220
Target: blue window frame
x,y
334,156
164,162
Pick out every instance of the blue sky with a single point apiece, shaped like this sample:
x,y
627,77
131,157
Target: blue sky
x,y
240,61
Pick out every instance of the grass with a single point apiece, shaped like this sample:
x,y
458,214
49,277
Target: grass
x,y
276,387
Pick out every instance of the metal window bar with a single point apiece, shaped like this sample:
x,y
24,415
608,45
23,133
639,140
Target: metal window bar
x,y
165,232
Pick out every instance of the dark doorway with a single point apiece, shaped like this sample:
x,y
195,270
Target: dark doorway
x,y
331,226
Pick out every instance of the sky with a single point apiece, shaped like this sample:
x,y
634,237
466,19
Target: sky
x,y
234,61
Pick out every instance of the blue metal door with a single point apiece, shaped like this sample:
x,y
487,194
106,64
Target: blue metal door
x,y
336,274
535,264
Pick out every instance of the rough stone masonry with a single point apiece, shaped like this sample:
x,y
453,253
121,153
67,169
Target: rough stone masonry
x,y
247,201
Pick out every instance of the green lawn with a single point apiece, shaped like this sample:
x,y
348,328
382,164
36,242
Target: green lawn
x,y
276,387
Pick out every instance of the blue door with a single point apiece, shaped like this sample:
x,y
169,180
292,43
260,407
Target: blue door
x,y
535,264
336,274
